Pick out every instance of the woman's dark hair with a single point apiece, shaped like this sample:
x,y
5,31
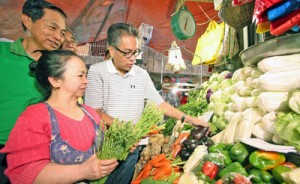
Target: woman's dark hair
x,y
35,9
50,64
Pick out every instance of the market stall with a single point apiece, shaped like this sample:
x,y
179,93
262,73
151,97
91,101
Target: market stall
x,y
251,99
254,129
253,111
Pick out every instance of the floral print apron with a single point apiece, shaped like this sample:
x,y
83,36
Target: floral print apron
x,y
61,152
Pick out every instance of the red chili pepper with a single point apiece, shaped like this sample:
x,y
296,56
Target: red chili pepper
x,y
182,136
175,151
210,169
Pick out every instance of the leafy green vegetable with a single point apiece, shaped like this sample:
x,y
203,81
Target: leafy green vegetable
x,y
169,125
194,108
294,102
121,135
219,122
195,94
287,126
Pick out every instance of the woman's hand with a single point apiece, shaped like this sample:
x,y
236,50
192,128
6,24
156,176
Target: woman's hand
x,y
132,149
94,168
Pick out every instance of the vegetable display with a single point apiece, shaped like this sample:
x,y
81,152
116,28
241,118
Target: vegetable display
x,y
255,101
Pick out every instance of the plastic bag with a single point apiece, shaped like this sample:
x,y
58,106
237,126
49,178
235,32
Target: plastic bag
x,y
209,44
229,46
261,7
217,4
235,178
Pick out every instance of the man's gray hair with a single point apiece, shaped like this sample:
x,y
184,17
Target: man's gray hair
x,y
116,31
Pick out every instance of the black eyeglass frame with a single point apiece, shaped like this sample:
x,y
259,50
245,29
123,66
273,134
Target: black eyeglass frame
x,y
135,53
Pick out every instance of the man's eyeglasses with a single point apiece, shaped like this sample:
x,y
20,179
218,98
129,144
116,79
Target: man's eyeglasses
x,y
128,55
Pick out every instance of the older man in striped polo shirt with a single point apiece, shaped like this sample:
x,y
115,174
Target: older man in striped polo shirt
x,y
118,89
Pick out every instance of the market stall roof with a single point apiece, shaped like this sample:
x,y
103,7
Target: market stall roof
x,y
90,19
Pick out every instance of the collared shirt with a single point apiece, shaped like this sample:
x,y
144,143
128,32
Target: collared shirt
x,y
121,97
17,84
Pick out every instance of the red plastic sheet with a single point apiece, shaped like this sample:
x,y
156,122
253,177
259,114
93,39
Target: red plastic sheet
x,y
284,24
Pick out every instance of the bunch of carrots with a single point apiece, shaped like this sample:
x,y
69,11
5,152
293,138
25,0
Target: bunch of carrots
x,y
159,168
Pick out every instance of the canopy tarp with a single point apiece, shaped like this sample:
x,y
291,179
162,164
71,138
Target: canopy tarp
x,y
90,19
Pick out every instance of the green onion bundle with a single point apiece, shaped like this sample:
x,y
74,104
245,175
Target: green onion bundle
x,y
121,135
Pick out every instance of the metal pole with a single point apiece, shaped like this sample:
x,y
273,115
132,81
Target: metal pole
x,y
162,65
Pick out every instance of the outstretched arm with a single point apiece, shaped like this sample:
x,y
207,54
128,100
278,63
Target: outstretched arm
x,y
172,112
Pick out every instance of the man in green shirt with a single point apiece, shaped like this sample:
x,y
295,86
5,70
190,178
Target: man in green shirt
x,y
44,26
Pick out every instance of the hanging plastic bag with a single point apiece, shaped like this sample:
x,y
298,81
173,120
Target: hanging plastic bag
x,y
209,44
175,60
217,4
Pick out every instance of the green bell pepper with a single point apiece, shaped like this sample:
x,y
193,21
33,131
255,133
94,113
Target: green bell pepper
x,y
260,176
217,147
265,160
278,170
227,159
223,150
238,152
235,167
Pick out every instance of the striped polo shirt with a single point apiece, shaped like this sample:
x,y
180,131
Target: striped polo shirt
x,y
121,97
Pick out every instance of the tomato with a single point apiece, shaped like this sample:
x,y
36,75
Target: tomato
x,y
210,169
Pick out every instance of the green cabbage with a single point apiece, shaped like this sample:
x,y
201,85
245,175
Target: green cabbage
x,y
287,126
294,102
219,122
220,107
225,83
214,86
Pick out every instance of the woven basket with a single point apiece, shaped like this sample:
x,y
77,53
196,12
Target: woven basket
x,y
236,16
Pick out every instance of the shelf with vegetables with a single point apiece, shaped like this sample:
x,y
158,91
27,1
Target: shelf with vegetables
x,y
218,163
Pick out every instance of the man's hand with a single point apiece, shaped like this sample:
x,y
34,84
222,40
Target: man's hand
x,y
196,121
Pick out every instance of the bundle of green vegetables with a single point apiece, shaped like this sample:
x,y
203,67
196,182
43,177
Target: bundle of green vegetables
x,y
121,135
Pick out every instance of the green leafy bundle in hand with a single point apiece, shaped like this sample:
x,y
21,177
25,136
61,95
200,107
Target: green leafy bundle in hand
x,y
121,135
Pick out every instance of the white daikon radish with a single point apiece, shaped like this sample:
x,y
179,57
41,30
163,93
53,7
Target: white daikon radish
x,y
229,131
259,132
268,121
277,140
248,119
279,63
286,80
273,101
256,73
